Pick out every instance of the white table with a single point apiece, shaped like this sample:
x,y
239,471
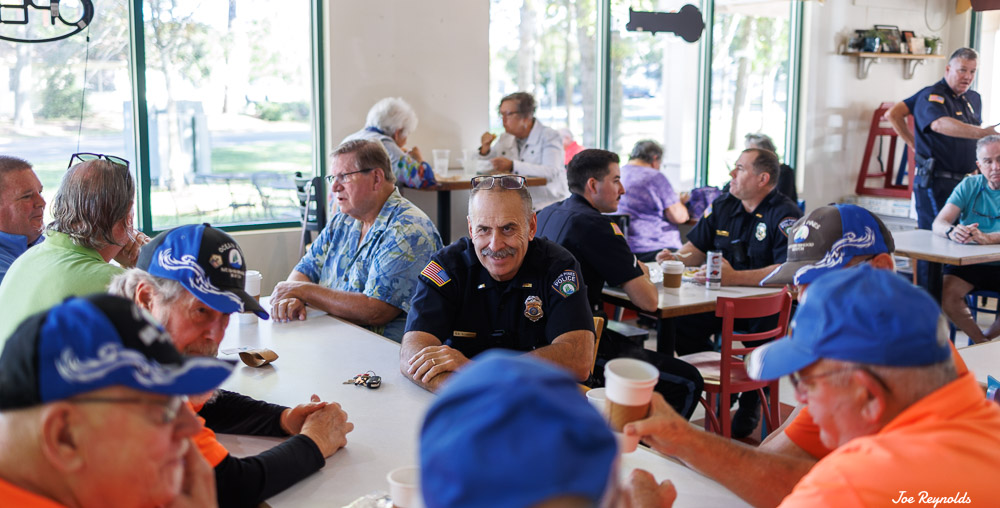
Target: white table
x,y
924,245
982,359
690,298
317,355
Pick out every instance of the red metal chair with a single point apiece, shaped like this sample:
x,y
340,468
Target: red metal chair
x,y
724,372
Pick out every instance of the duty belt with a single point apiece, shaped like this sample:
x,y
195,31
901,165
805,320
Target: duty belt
x,y
949,175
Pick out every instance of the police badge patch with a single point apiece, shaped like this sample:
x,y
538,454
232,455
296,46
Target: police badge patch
x,y
761,233
565,283
533,308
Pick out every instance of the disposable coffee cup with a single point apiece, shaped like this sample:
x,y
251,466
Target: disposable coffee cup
x,y
628,385
672,273
626,443
404,487
598,399
251,284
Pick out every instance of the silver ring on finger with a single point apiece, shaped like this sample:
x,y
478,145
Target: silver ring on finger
x,y
433,361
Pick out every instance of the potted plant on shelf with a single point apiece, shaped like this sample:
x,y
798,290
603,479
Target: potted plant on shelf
x,y
933,45
872,41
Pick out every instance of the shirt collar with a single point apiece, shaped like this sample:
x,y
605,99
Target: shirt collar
x,y
64,241
486,281
19,241
960,396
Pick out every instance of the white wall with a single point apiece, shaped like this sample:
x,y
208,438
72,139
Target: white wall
x,y
837,107
272,252
432,53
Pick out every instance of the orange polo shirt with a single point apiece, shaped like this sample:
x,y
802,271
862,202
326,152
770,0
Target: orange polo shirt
x,y
12,495
208,445
944,448
805,433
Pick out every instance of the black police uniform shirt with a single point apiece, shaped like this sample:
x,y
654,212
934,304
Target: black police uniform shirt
x,y
748,240
951,154
458,302
595,240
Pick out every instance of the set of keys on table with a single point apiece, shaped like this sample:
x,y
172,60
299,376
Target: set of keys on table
x,y
368,379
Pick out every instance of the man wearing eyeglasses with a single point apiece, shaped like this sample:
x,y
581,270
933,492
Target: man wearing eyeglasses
x,y
191,279
92,224
527,147
93,412
21,210
869,356
499,288
363,267
975,205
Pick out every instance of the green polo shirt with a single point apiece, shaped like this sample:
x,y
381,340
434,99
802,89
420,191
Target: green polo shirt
x,y
48,273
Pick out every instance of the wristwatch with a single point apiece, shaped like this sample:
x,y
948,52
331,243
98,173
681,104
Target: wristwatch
x,y
947,234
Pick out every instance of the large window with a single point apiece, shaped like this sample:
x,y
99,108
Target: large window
x,y
547,49
653,80
750,70
56,97
228,92
698,104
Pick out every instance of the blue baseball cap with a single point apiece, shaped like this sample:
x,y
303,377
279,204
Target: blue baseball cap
x,y
85,344
207,262
861,314
827,239
513,431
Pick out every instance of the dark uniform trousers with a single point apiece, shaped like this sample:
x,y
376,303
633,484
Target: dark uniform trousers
x,y
599,246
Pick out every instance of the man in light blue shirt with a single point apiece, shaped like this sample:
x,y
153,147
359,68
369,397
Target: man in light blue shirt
x,y
363,267
975,205
21,210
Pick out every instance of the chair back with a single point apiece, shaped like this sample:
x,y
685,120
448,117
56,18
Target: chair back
x,y
312,207
731,309
598,328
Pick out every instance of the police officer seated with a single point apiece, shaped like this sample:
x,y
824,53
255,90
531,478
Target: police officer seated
x,y
599,246
749,225
499,288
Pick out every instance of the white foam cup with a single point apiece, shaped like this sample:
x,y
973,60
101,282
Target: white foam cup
x,y
630,382
404,487
597,398
251,284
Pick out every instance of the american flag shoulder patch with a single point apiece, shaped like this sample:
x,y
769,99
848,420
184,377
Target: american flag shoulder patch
x,y
436,274
935,98
616,229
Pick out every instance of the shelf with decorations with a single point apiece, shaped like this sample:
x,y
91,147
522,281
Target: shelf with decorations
x,y
910,61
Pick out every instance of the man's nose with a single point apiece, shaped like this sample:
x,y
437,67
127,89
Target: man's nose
x,y
186,424
39,201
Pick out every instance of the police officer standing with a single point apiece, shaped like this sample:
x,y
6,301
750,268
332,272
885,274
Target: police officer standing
x,y
599,245
947,117
749,225
499,288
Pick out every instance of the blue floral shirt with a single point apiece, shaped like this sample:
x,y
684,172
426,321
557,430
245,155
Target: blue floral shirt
x,y
384,266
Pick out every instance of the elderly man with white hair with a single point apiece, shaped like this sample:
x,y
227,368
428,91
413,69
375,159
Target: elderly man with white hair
x,y
391,121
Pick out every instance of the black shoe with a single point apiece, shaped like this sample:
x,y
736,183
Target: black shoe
x,y
747,417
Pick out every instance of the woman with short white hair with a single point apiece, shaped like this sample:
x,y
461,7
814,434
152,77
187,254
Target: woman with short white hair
x,y
391,121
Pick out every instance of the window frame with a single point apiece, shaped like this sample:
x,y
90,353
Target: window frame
x,y
140,133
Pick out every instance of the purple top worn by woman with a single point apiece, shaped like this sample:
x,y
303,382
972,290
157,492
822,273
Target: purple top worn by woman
x,y
647,196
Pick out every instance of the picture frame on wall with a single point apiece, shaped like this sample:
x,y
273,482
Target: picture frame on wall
x,y
893,39
909,41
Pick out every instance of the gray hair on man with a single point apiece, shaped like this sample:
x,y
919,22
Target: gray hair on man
x,y
367,154
760,140
525,103
964,54
125,285
984,142
522,193
391,114
93,198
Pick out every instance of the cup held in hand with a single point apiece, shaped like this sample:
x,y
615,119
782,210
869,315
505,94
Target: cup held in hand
x,y
629,387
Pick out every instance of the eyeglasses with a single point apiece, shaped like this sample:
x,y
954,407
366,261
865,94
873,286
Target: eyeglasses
x,y
510,182
170,407
505,115
975,201
798,380
86,156
345,177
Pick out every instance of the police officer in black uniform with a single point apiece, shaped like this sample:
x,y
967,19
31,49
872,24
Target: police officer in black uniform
x,y
749,224
501,288
947,116
599,245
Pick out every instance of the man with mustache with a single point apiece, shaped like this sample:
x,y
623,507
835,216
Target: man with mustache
x,y
21,210
499,288
947,117
191,278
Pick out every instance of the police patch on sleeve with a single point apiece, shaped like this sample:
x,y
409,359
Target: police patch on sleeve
x,y
617,230
785,226
708,211
566,283
435,273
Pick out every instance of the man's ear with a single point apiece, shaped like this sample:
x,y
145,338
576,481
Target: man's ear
x,y
591,186
883,261
875,398
532,226
143,297
62,436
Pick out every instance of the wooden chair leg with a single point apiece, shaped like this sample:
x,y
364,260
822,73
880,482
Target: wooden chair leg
x,y
725,414
711,422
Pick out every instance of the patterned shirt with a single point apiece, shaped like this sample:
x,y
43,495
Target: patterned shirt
x,y
384,266
648,194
